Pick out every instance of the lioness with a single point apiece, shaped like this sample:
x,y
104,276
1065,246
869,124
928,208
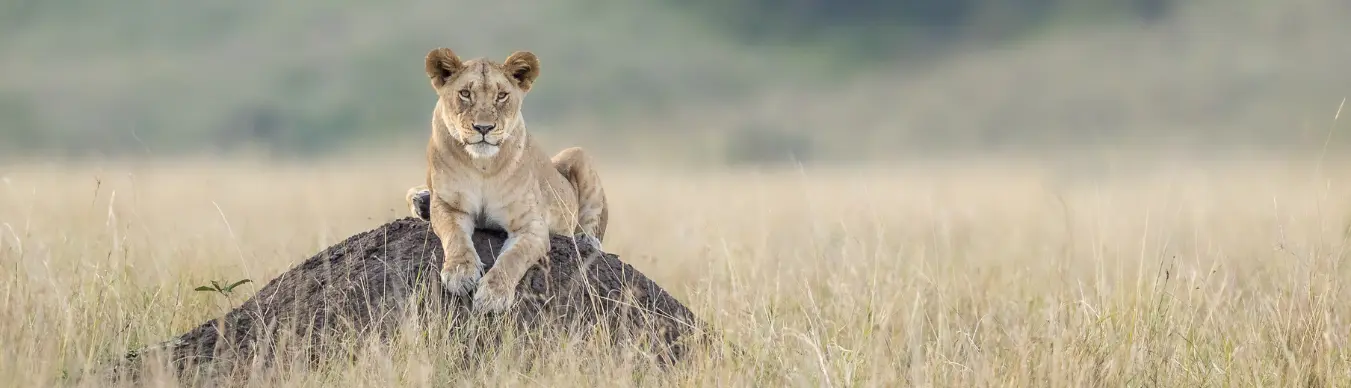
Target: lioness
x,y
484,170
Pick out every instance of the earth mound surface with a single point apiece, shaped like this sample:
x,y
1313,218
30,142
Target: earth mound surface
x,y
375,281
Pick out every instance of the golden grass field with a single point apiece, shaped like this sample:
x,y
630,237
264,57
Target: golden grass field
x,y
954,274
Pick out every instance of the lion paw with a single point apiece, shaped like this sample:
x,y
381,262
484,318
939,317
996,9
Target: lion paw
x,y
460,279
494,296
593,241
419,203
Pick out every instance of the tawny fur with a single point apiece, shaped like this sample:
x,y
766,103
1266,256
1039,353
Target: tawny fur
x,y
485,171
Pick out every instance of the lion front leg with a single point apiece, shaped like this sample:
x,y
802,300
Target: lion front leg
x,y
524,247
461,268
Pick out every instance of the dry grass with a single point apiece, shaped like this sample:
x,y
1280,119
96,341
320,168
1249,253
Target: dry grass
x,y
953,275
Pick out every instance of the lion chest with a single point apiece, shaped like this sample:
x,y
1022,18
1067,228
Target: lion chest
x,y
493,203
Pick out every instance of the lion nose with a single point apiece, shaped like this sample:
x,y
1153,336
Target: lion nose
x,y
484,128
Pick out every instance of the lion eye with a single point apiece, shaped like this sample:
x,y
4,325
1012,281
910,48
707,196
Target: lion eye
x,y
501,96
464,94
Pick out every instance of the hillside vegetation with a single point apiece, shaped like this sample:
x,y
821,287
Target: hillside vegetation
x,y
733,81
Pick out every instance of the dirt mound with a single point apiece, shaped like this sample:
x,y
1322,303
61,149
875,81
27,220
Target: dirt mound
x,y
377,280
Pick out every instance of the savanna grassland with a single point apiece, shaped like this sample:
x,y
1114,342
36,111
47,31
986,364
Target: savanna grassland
x,y
931,274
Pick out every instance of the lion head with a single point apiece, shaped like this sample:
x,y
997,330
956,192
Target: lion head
x,y
479,100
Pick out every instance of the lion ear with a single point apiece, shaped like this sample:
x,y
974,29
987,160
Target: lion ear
x,y
523,68
441,65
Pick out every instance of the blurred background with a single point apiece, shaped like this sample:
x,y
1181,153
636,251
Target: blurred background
x,y
712,82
